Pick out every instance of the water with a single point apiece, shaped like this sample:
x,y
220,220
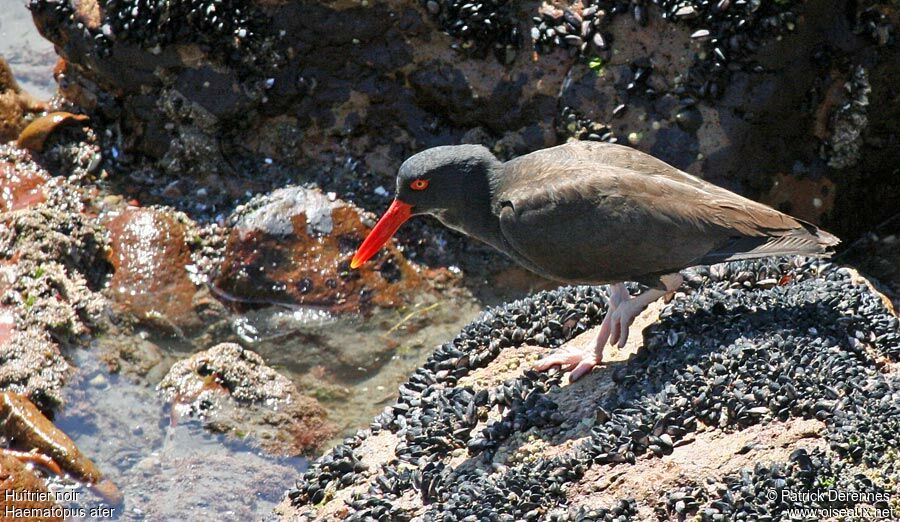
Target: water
x,y
169,471
165,472
353,365
30,56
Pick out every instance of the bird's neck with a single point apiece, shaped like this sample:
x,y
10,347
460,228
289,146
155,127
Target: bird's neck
x,y
474,214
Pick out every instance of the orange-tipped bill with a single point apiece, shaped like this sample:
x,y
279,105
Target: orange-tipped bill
x,y
395,216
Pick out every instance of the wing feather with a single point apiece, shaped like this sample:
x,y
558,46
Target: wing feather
x,y
593,212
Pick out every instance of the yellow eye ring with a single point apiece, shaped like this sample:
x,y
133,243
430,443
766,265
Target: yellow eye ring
x,y
419,184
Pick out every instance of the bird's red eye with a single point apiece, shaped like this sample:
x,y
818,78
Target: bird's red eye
x,y
419,184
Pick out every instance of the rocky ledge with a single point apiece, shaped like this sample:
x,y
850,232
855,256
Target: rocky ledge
x,y
759,379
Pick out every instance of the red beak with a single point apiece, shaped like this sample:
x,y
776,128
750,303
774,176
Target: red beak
x,y
395,216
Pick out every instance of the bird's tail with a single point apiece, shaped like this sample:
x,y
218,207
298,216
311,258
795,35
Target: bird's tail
x,y
805,240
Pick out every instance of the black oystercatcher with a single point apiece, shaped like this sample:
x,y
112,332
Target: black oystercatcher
x,y
592,213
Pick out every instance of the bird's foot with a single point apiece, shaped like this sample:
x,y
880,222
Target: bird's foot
x,y
623,309
622,313
579,360
614,328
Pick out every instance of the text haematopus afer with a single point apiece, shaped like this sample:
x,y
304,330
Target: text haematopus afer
x,y
592,213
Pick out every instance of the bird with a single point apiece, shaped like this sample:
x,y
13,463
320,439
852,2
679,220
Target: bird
x,y
591,213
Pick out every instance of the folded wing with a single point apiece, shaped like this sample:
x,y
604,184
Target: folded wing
x,y
592,212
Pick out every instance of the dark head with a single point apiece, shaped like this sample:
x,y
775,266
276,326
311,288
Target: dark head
x,y
433,181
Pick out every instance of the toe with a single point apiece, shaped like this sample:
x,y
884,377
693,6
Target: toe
x,y
616,329
623,331
546,363
623,339
583,368
565,359
603,335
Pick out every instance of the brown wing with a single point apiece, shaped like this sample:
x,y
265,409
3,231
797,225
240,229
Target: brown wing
x,y
600,213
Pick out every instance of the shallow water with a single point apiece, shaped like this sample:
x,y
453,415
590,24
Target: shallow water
x,y
165,472
30,56
169,472
353,365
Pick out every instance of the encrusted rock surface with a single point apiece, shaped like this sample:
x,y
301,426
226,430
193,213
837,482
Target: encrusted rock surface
x,y
234,392
804,350
52,263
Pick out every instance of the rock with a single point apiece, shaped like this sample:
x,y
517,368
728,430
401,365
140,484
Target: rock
x,y
208,77
150,257
45,235
20,188
52,263
843,139
294,247
35,134
720,393
140,359
32,365
49,295
234,392
27,496
803,197
877,255
15,104
28,429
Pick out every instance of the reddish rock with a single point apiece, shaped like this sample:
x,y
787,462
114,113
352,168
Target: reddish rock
x,y
20,188
150,255
805,198
295,247
25,497
30,430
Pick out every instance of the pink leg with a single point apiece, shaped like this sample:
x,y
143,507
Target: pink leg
x,y
622,311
